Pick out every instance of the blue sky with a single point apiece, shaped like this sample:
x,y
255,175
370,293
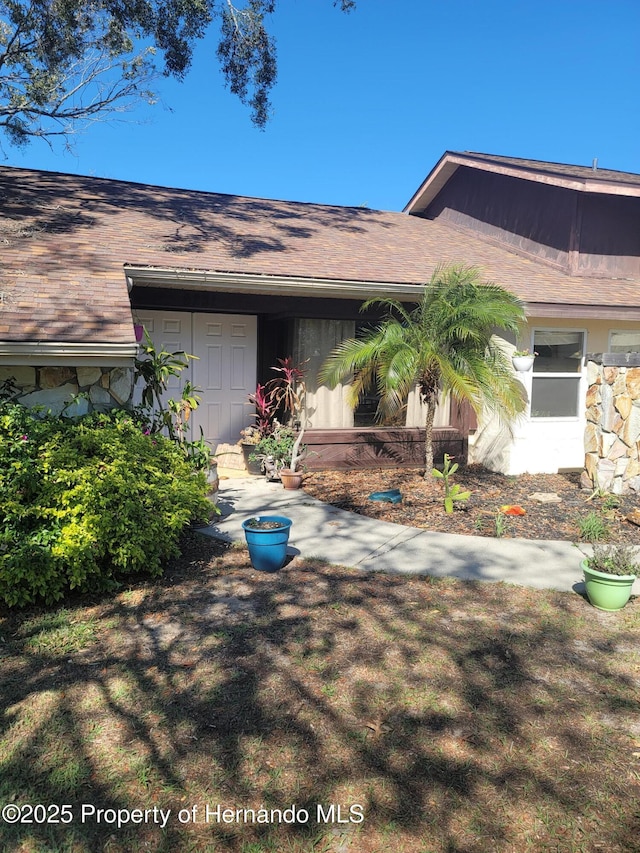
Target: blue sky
x,y
366,103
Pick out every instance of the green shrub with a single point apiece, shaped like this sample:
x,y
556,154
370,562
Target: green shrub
x,y
84,503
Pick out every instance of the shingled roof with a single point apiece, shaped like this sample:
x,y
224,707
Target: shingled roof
x,y
68,242
586,174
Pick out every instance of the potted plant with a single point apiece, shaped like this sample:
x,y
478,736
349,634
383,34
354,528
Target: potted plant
x,y
290,476
251,436
274,451
287,390
278,405
201,458
523,360
267,537
609,575
249,440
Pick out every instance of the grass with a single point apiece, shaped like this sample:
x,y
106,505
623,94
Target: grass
x,y
449,716
57,633
593,528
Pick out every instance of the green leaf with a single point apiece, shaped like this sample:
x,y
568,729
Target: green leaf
x,y
445,345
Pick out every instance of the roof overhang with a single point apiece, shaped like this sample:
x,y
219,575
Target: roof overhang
x,y
47,353
270,285
246,283
451,161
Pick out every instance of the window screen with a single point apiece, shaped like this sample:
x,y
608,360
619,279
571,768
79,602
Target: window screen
x,y
628,341
557,371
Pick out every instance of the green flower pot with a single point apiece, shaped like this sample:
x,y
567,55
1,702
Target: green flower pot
x,y
607,592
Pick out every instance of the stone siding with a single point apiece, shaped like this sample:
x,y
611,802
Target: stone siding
x,y
612,434
71,390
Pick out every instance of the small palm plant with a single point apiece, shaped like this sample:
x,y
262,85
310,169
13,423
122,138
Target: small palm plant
x,y
445,345
452,491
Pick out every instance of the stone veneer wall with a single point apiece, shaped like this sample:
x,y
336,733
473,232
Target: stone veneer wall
x,y
101,388
612,434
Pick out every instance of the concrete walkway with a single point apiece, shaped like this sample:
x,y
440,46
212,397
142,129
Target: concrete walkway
x,y
347,539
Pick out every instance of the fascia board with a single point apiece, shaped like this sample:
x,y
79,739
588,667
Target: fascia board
x,y
47,353
568,311
271,285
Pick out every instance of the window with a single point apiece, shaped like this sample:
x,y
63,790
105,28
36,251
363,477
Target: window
x,y
627,341
365,412
557,372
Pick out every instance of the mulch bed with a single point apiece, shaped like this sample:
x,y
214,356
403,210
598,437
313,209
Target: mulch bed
x,y
480,515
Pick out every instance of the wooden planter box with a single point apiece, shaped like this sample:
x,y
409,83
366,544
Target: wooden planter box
x,y
378,447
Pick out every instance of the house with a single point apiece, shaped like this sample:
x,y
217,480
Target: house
x,y
568,243
241,281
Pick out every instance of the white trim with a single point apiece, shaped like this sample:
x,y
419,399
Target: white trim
x,y
551,420
280,285
272,285
47,353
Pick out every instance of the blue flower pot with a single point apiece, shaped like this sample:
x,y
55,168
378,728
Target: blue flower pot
x,y
392,496
268,545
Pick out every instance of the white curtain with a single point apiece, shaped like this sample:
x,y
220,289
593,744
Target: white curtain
x,y
416,411
324,408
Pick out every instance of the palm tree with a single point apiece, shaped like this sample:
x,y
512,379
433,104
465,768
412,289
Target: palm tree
x,y
445,344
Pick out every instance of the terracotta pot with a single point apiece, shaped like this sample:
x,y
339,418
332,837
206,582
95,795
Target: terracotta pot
x,y
290,479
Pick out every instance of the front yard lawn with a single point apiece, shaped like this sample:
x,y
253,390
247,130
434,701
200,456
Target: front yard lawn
x,y
450,716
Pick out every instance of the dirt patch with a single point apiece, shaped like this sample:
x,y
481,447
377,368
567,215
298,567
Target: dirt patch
x,y
480,515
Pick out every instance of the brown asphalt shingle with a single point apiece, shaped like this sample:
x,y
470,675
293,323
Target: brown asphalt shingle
x,y
560,170
65,240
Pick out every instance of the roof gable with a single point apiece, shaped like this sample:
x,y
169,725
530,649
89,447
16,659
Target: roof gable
x,y
580,178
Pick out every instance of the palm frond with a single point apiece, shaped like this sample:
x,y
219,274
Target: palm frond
x,y
444,343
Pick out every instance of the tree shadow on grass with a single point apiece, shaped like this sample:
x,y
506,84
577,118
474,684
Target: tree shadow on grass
x,y
460,717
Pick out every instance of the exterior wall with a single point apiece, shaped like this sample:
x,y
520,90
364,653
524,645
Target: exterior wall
x,y
612,433
525,215
53,388
590,234
542,445
609,236
329,424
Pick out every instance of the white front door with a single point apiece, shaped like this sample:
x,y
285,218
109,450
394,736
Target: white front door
x,y
171,331
224,370
226,346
